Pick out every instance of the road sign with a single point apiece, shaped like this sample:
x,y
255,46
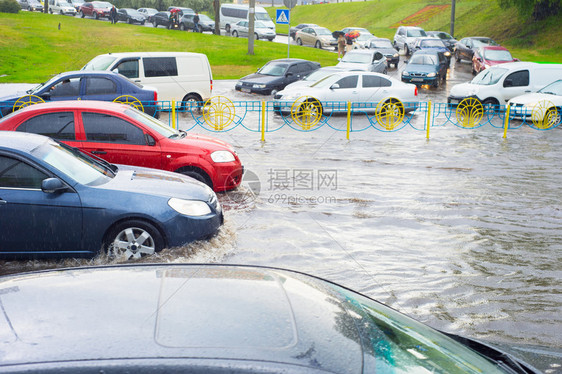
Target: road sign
x,y
290,3
282,17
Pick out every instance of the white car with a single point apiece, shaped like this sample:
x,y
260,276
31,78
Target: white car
x,y
315,76
535,105
351,86
261,31
364,59
362,40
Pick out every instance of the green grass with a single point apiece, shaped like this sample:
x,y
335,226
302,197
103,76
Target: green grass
x,y
32,49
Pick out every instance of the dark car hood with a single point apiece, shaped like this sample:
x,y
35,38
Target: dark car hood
x,y
414,68
261,78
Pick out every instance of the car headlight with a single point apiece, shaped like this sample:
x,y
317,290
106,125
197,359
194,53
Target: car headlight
x,y
193,208
222,156
430,75
447,54
405,73
259,85
395,55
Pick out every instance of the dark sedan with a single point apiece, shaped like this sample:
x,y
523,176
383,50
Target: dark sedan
x,y
190,318
385,47
205,23
161,19
85,85
56,201
464,49
426,67
130,16
275,75
449,41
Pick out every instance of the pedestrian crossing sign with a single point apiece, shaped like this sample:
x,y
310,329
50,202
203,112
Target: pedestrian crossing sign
x,y
282,17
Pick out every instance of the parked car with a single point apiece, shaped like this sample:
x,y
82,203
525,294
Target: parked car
x,y
449,41
315,76
385,47
496,85
275,75
360,29
84,85
261,31
433,44
293,30
161,18
351,86
406,36
61,7
205,23
76,4
130,16
484,57
96,9
365,60
465,48
546,101
147,13
205,318
60,202
319,37
426,67
31,5
121,134
362,40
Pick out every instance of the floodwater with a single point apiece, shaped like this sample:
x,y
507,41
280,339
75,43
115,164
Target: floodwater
x,y
462,231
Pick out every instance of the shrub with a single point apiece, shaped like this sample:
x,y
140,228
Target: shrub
x,y
9,6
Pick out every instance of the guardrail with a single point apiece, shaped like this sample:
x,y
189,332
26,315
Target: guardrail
x,y
220,114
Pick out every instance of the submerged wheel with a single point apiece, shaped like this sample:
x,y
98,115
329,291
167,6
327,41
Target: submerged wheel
x,y
196,174
133,239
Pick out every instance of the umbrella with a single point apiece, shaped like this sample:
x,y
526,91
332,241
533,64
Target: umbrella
x,y
354,34
336,34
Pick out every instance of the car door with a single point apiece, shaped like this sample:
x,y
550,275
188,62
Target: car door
x,y
378,65
374,88
307,36
33,220
345,89
62,89
119,141
57,125
514,84
99,88
244,30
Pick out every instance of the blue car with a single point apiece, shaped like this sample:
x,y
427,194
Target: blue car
x,y
433,44
426,67
56,201
85,85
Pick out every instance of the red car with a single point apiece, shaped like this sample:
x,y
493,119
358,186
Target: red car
x,y
121,134
96,9
491,55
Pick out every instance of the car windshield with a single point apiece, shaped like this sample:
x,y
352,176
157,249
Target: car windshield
x,y
323,31
381,44
364,37
359,58
497,55
262,17
443,35
483,42
317,75
553,88
154,124
101,4
327,81
489,76
423,60
99,63
415,33
48,83
203,17
274,69
72,162
400,344
133,12
429,43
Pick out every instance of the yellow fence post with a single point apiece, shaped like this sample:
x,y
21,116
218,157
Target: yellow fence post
x,y
263,121
428,123
174,114
348,119
506,124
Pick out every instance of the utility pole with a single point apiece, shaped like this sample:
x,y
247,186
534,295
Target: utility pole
x,y
217,6
251,19
452,30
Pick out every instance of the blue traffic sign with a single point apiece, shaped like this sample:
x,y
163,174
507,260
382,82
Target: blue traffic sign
x,y
282,17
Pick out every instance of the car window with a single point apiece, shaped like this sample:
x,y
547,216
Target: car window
x,y
160,66
375,81
17,174
348,82
66,87
100,86
109,129
130,68
295,69
59,126
518,79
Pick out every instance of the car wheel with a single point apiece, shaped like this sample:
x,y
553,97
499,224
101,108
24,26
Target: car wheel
x,y
51,11
227,29
81,14
182,27
235,34
191,100
385,71
318,45
154,24
196,174
61,13
256,36
457,57
553,116
133,239
406,50
29,9
299,41
142,23
437,82
96,16
490,104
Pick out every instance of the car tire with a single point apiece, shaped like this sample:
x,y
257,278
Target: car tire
x,y
256,37
51,11
82,14
406,50
96,16
490,104
142,23
299,41
227,29
133,239
154,23
182,27
61,13
437,82
235,34
318,45
191,98
457,57
196,174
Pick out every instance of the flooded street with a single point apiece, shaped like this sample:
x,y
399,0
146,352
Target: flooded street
x,y
462,231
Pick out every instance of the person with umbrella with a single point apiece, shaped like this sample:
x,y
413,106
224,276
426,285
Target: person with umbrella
x,y
339,35
349,37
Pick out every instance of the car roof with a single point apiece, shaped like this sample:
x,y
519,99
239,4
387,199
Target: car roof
x,y
428,51
74,104
22,141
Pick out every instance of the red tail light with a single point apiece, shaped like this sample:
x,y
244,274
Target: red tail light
x,y
155,95
416,91
211,85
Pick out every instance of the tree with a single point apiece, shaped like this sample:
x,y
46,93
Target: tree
x,y
537,9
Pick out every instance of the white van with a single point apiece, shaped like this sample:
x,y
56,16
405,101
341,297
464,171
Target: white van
x,y
61,7
179,76
232,13
498,84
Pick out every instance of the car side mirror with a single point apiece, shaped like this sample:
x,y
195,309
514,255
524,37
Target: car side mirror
x,y
149,140
52,185
334,86
46,95
289,74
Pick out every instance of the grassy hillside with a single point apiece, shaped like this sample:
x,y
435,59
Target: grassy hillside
x,y
535,41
